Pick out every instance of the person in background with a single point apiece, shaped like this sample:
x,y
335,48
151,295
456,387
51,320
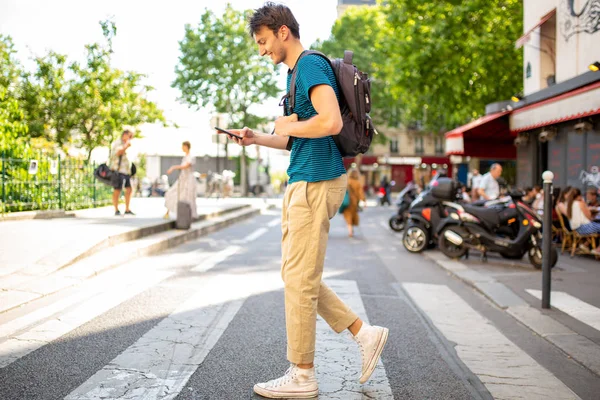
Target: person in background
x,y
475,182
121,165
185,185
529,197
465,194
561,202
384,189
580,216
591,197
488,188
357,194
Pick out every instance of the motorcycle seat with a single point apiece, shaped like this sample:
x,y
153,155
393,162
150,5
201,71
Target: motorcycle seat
x,y
489,216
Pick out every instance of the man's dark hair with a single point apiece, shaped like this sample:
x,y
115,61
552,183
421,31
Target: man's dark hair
x,y
273,16
126,131
187,144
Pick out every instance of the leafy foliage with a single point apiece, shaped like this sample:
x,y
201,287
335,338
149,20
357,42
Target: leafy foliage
x,y
12,125
437,62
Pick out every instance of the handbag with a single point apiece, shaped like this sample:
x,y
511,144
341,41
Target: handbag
x,y
104,174
345,202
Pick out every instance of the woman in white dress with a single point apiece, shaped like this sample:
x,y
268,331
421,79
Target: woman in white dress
x,y
185,184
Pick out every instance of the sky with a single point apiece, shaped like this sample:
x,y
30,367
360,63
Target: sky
x,y
147,42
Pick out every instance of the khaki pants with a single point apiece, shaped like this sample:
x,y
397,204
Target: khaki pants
x,y
307,209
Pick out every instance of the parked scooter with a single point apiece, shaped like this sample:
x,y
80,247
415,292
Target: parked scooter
x,y
403,202
510,228
426,212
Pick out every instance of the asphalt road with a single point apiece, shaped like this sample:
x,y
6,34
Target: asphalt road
x,y
206,321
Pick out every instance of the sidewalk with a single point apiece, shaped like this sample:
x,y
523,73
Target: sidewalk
x,y
39,257
43,245
572,323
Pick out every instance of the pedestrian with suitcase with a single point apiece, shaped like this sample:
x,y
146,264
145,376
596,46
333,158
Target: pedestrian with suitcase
x,y
181,197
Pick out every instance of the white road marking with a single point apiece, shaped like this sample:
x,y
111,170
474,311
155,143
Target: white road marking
x,y
88,289
506,370
255,235
216,258
161,362
337,357
275,222
23,344
578,309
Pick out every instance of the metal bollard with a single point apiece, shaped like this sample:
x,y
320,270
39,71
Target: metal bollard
x,y
547,176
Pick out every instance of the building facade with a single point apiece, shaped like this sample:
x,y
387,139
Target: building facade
x,y
344,4
555,123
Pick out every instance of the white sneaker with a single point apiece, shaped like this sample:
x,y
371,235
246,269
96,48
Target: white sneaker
x,y
371,340
297,383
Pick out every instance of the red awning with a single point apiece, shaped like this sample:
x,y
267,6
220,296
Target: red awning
x,y
525,38
487,137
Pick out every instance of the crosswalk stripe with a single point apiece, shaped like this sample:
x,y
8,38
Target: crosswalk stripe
x,y
23,344
161,362
505,369
578,309
337,358
256,234
275,222
86,291
216,258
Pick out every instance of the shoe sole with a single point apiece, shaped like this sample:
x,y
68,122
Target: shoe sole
x,y
274,395
373,363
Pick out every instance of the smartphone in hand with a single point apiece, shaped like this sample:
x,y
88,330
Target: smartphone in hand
x,y
229,133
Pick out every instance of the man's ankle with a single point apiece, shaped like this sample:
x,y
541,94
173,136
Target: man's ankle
x,y
306,366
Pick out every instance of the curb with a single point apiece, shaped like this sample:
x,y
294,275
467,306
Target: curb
x,y
139,233
578,347
27,215
125,252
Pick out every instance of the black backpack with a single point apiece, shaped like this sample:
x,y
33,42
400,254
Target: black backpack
x,y
355,104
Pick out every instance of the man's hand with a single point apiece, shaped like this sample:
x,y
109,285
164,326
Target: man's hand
x,y
282,124
169,171
248,136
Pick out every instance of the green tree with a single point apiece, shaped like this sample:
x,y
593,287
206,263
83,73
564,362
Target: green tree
x,y
220,66
451,58
48,100
12,125
107,98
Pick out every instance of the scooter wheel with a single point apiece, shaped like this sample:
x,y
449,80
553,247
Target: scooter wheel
x,y
535,257
450,249
416,238
396,223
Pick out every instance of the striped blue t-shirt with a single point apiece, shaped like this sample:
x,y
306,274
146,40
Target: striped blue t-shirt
x,y
313,160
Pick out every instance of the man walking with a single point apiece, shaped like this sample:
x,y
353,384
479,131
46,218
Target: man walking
x,y
474,184
120,164
315,192
489,189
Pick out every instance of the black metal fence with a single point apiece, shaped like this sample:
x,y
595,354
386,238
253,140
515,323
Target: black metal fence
x,y
42,182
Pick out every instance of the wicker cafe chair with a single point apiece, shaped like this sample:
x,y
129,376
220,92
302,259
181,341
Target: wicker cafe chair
x,y
576,240
567,236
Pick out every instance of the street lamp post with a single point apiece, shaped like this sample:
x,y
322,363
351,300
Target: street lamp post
x,y
547,176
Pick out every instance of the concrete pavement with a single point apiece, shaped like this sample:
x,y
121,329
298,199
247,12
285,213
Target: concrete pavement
x,y
42,256
572,324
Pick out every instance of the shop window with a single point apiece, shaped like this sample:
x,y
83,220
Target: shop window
x,y
439,145
419,145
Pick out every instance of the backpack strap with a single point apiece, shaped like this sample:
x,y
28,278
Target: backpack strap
x,y
291,95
